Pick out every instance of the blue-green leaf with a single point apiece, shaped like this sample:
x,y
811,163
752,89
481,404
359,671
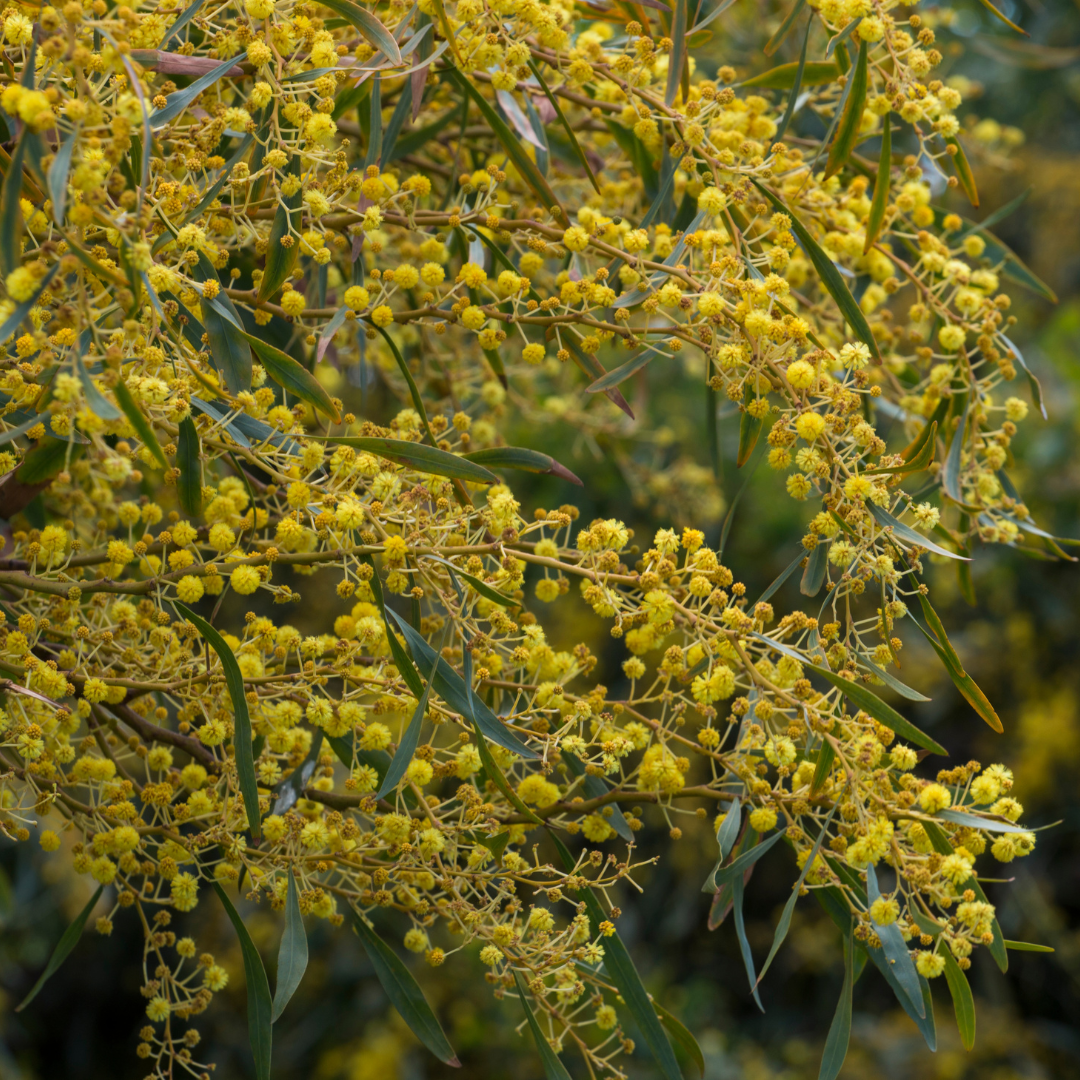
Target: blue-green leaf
x,y
260,1006
407,747
234,681
68,940
963,1002
292,952
735,870
836,1045
896,950
176,103
726,836
554,1069
403,991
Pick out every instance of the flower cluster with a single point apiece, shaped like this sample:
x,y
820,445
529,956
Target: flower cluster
x,y
207,262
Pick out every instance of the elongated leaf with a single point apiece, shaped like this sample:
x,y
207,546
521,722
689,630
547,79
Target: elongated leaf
x,y
620,968
293,377
848,130
139,422
964,682
570,133
368,25
292,952
519,457
882,713
892,681
683,1036
836,1044
1000,214
177,103
784,29
512,145
918,461
943,847
260,1007
99,404
796,86
749,429
554,1069
880,201
1033,382
738,889
184,18
814,574
189,483
44,460
1008,22
58,176
452,689
68,940
784,924
831,278
624,371
677,56
407,747
1026,946
481,587
234,681
280,261
403,991
977,821
826,756
422,458
735,869
11,222
595,788
896,950
783,76
13,321
726,836
964,173
908,535
963,1001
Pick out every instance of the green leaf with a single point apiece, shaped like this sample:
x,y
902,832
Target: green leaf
x,y
1026,946
964,682
481,587
777,39
139,422
919,455
796,86
368,25
452,689
749,429
963,1002
895,947
726,836
682,1035
738,888
417,456
848,130
624,371
185,17
189,483
234,681
44,460
784,924
1008,22
519,457
414,390
814,574
620,968
280,261
880,201
882,713
739,866
512,145
571,134
978,821
260,1007
292,952
1033,382
830,276
836,1044
783,76
68,940
404,665
403,991
11,222
826,756
554,1069
177,103
407,747
678,54
293,377
963,171
99,404
891,680
228,349
58,176
907,534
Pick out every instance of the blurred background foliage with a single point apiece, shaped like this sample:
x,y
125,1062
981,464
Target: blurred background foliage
x,y
1020,641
